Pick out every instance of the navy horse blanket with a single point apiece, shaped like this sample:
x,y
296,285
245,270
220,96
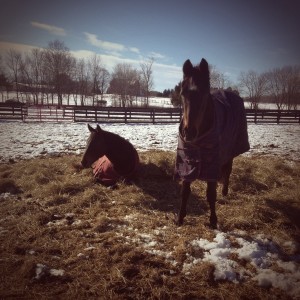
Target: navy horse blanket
x,y
203,157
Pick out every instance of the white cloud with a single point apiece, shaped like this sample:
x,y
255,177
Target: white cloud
x,y
50,28
107,46
109,60
165,76
156,55
22,48
112,48
82,54
134,49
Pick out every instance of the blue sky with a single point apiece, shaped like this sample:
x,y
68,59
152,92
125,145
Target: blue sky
x,y
233,36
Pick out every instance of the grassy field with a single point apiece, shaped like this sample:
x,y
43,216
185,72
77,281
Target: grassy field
x,y
63,236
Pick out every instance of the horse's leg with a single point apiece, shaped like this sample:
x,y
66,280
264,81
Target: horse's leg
x,y
211,194
226,171
185,193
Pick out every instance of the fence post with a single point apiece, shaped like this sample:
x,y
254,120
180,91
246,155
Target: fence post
x,y
22,115
255,116
278,116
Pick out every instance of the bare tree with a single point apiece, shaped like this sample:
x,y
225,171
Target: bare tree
x,y
147,77
293,86
82,80
284,86
32,73
276,86
218,80
123,82
103,81
4,84
95,66
13,62
58,63
254,86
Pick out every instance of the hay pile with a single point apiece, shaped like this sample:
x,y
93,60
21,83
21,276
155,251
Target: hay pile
x,y
64,236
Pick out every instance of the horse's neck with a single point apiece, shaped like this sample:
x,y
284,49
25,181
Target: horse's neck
x,y
118,151
207,116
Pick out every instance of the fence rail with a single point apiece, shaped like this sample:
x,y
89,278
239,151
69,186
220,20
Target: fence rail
x,y
258,116
94,114
127,115
12,112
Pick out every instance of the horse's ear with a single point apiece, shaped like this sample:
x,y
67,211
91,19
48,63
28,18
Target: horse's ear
x,y
204,70
98,129
187,68
203,66
91,129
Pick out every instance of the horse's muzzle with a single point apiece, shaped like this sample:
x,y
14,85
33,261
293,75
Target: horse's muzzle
x,y
84,163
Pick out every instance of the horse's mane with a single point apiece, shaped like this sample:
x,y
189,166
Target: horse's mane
x,y
117,145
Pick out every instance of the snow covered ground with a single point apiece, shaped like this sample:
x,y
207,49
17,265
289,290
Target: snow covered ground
x,y
26,140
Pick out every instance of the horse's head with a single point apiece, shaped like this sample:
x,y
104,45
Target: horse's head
x,y
95,147
195,93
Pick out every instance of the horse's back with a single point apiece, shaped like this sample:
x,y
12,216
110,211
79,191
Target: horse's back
x,y
127,156
232,124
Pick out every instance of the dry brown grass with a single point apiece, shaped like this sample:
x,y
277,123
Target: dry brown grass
x,y
56,215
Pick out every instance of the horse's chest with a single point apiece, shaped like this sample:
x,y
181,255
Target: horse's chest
x,y
199,160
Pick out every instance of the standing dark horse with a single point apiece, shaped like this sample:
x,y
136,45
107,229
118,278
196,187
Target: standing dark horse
x,y
112,156
212,132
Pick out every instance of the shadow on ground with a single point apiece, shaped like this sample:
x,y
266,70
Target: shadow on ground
x,y
164,191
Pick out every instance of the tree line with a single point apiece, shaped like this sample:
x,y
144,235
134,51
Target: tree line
x,y
52,74
280,86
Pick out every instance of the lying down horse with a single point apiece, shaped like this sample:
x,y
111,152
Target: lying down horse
x,y
111,156
212,132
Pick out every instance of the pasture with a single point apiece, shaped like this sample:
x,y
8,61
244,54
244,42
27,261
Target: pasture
x,y
64,236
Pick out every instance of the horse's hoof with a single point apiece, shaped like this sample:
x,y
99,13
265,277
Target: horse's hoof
x,y
178,221
225,192
213,222
213,226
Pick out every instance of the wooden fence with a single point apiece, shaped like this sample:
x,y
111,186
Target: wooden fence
x,y
127,115
12,112
92,114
